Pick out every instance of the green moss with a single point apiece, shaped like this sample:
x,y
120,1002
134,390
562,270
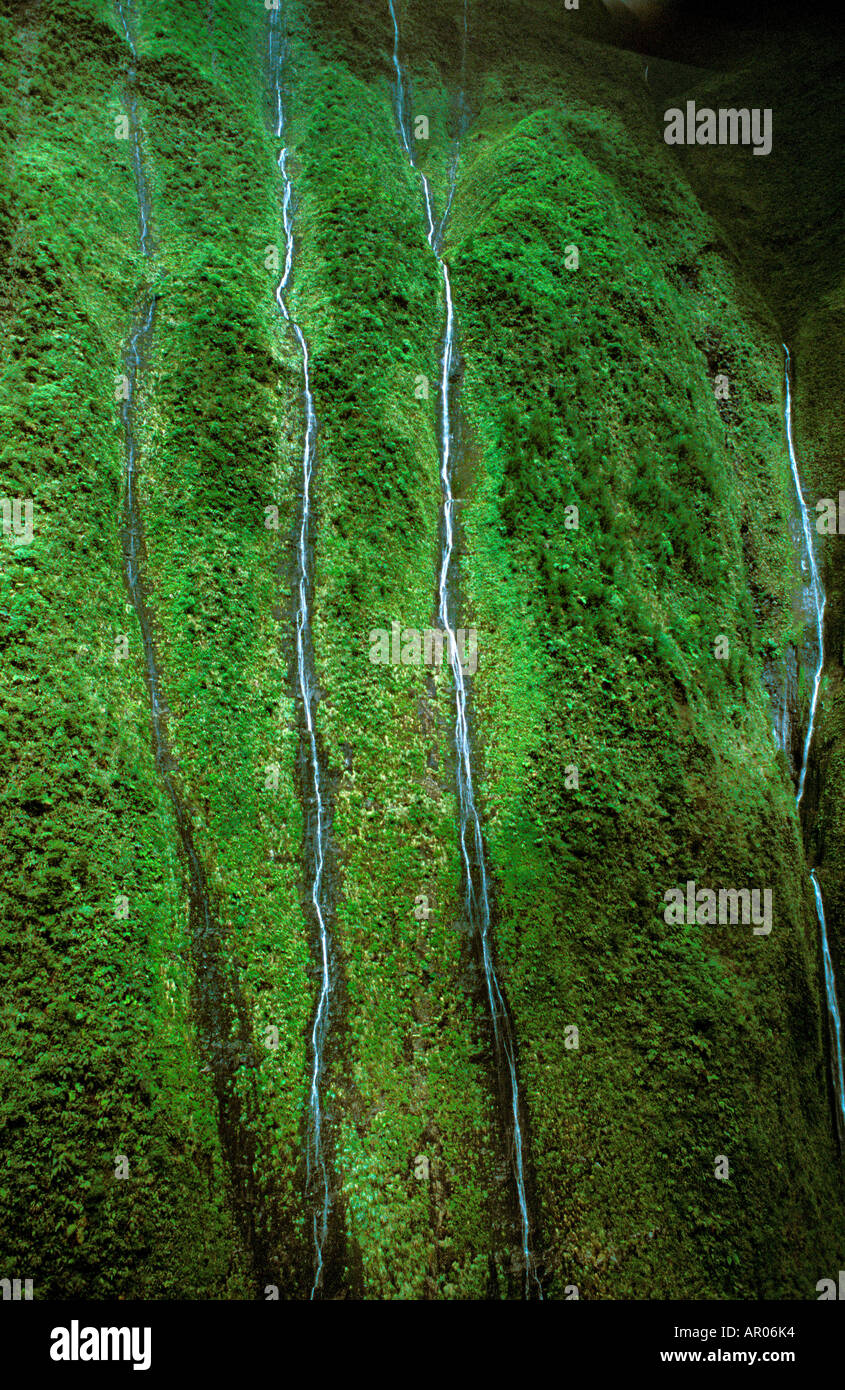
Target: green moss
x,y
98,1055
595,386
590,388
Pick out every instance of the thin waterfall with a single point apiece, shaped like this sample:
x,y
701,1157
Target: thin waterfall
x,y
317,1176
817,594
833,1011
477,893
223,1025
818,600
142,190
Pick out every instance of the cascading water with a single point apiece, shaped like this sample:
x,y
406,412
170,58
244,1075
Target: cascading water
x,y
816,591
818,601
317,1175
135,137
833,1013
473,858
221,1014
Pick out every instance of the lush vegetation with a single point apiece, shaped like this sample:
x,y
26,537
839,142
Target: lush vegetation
x,y
595,387
98,1054
587,392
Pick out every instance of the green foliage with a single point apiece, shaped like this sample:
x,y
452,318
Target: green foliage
x,y
98,1057
587,389
595,387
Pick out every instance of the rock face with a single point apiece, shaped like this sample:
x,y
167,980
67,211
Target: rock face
x,y
625,565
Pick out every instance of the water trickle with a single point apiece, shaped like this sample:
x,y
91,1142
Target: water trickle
x,y
135,136
816,592
833,1013
222,1019
473,858
817,599
317,1175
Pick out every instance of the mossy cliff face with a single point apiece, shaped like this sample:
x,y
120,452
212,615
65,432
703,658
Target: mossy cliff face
x,y
99,1059
595,387
617,756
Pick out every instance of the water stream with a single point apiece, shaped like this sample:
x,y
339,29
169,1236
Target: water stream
x,y
477,892
817,600
315,793
223,1026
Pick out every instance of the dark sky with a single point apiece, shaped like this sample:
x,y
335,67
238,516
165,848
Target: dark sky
x,y
755,13
684,27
